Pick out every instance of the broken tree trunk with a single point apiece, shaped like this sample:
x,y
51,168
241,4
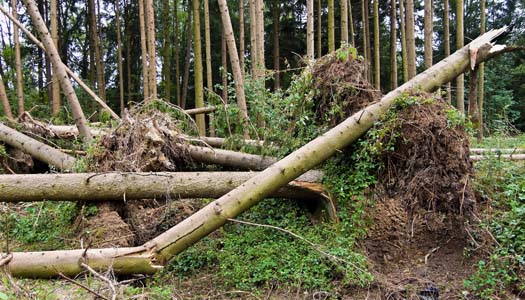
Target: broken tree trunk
x,y
94,187
230,158
158,251
37,149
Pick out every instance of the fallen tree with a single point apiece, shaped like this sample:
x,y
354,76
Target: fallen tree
x,y
38,150
497,150
230,158
115,186
152,255
498,156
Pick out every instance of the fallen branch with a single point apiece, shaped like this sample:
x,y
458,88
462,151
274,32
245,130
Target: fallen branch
x,y
82,286
230,158
200,110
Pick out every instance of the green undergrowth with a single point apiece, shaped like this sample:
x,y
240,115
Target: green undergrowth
x,y
502,273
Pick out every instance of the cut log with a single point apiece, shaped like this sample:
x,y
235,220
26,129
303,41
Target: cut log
x,y
201,110
230,158
163,248
91,187
38,150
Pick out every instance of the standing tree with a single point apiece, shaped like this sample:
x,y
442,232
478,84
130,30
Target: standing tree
x,y
344,22
276,13
410,39
5,101
59,69
428,31
259,16
197,70
150,16
377,67
253,39
55,86
187,58
207,42
351,22
319,30
18,64
368,56
460,81
403,40
446,41
143,49
331,26
310,29
393,45
119,54
234,61
481,83
241,35
166,51
176,49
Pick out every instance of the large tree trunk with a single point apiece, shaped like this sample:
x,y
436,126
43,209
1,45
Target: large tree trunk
x,y
59,69
446,41
207,46
36,149
94,187
18,63
351,22
119,56
230,158
144,50
236,67
253,38
85,87
331,26
393,45
55,101
152,52
150,257
197,67
310,29
377,51
344,22
5,101
428,32
319,30
404,58
460,81
259,16
176,50
411,39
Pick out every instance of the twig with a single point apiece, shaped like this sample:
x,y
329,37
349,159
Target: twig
x,y
106,280
5,260
82,286
316,247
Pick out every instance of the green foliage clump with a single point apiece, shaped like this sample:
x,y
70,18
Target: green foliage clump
x,y
504,270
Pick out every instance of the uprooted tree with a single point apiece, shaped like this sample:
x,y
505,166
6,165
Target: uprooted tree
x,y
152,255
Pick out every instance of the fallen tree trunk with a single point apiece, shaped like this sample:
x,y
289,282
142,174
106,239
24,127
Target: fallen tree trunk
x,y
230,158
38,150
498,156
92,187
164,247
497,150
200,110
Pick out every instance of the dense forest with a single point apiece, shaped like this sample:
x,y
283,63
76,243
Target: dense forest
x,y
262,149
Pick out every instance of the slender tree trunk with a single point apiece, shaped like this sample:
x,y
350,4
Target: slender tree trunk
x,y
319,30
152,52
207,41
176,50
428,32
55,102
128,51
404,49
224,60
241,36
351,21
367,40
234,61
411,40
119,55
446,41
344,22
259,16
18,63
473,112
365,34
187,59
310,29
59,69
197,69
99,62
393,45
92,36
377,67
253,39
144,50
460,81
331,26
5,101
94,187
276,12
481,83
166,66
41,60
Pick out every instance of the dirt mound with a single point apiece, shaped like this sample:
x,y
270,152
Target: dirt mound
x,y
145,140
429,166
342,87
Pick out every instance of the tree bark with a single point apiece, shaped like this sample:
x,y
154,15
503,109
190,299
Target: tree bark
x,y
18,63
152,52
224,61
365,35
99,62
319,30
55,101
259,12
59,69
5,101
428,32
377,67
404,49
344,22
36,149
331,26
446,41
119,57
144,50
150,257
366,21
207,42
351,22
460,81
481,83
393,45
236,67
176,50
473,112
276,14
253,38
411,40
197,67
310,29
241,36
166,51
187,59
95,187
85,87
230,158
